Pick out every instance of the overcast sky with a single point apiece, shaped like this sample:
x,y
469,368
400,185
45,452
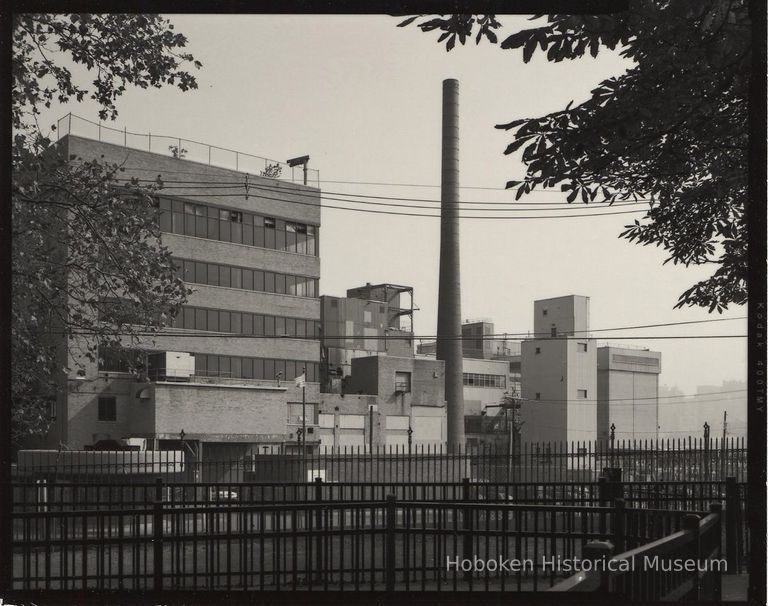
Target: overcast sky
x,y
362,98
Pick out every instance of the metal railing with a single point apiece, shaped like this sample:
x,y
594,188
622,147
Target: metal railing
x,y
694,459
373,545
698,543
62,496
187,149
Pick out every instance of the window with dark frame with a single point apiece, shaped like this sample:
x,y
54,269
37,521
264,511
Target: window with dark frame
x,y
403,381
231,276
107,408
239,227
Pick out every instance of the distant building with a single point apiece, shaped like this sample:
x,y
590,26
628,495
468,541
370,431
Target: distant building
x,y
628,393
405,387
370,320
479,340
484,374
486,382
491,369
559,373
375,393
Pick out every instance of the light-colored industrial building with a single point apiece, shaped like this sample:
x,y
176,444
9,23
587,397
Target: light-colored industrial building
x,y
486,382
375,393
371,320
628,393
252,259
491,365
559,373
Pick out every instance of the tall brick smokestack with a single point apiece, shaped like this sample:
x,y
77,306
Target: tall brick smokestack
x,y
449,345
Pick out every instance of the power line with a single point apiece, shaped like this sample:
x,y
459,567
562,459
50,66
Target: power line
x,y
185,184
644,401
598,211
383,212
377,183
622,441
409,336
533,335
379,338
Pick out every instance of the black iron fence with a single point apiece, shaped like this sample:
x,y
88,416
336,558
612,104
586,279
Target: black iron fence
x,y
32,496
692,459
40,494
372,545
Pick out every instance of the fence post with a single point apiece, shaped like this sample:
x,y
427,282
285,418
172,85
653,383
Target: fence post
x,y
318,526
467,526
602,495
602,491
717,585
157,539
691,524
389,564
619,526
732,506
595,551
615,485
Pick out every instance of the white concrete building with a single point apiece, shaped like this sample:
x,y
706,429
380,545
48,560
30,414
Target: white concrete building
x,y
559,373
628,393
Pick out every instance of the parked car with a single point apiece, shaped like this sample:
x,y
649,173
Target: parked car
x,y
224,494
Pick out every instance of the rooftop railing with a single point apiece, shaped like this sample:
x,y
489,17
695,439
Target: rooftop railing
x,y
187,149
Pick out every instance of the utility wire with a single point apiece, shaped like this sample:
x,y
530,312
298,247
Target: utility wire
x,y
487,337
384,212
622,441
218,335
653,398
535,188
508,206
184,184
638,326
708,397
377,183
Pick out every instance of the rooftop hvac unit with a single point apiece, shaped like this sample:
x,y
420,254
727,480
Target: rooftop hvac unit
x,y
171,366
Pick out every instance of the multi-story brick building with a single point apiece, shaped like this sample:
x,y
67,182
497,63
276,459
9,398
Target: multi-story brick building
x,y
221,378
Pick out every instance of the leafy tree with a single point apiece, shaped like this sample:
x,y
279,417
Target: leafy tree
x,y
272,170
88,264
671,130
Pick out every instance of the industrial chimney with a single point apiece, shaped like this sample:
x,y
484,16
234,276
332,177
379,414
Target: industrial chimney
x,y
449,345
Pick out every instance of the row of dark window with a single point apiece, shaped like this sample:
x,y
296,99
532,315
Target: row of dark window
x,y
213,365
474,379
231,276
237,367
245,323
240,227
